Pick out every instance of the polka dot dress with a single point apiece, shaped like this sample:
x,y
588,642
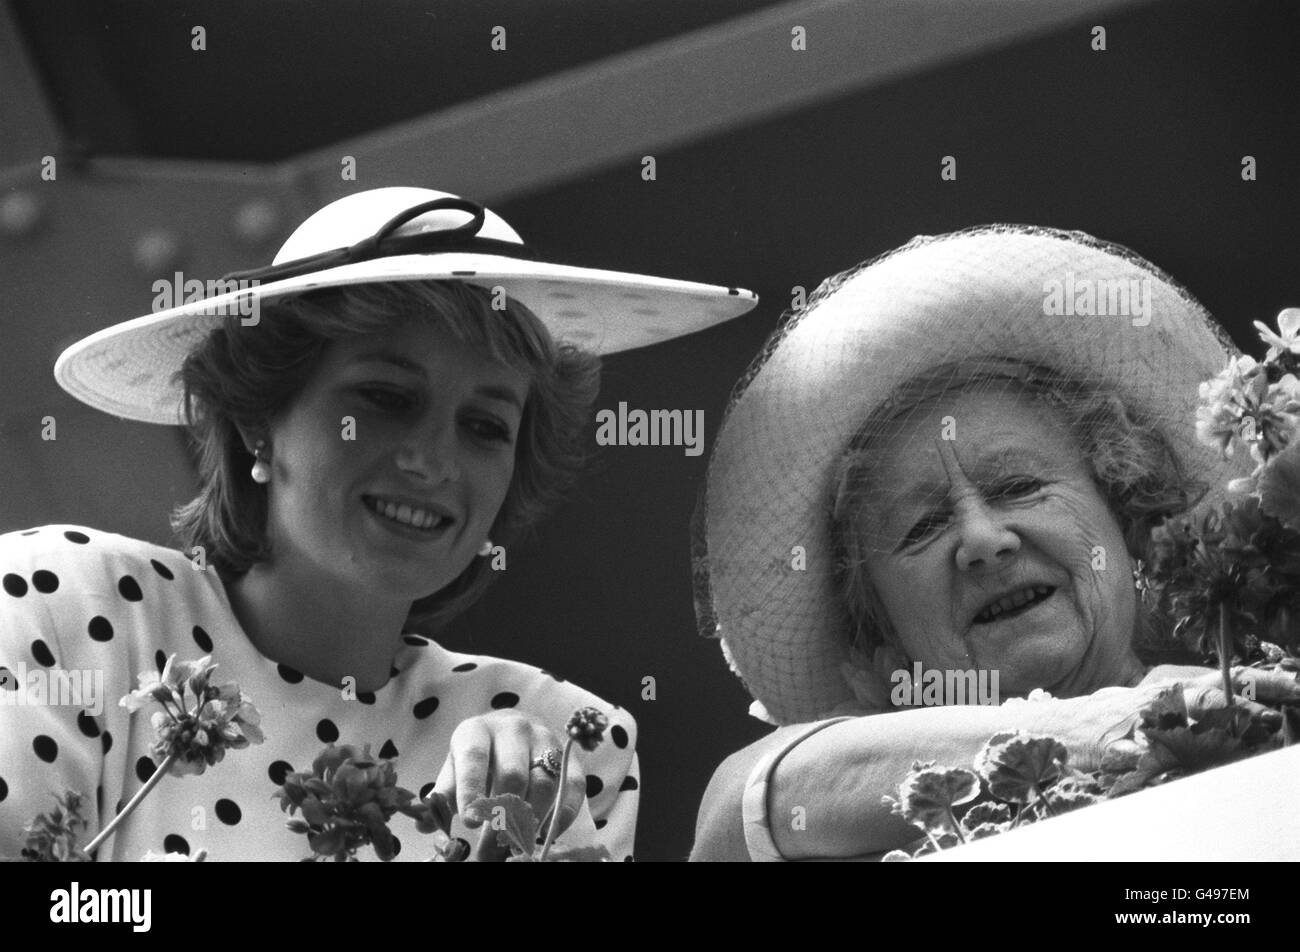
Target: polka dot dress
x,y
104,608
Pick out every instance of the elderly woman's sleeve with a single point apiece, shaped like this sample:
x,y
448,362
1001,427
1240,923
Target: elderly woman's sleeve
x,y
734,822
614,787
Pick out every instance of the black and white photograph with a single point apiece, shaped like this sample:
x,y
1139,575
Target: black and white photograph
x,y
651,431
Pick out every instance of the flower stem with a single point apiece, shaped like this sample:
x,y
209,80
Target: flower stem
x,y
553,828
956,827
135,802
1225,653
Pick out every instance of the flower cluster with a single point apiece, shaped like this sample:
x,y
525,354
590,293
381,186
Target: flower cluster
x,y
191,738
587,727
347,800
1230,579
52,837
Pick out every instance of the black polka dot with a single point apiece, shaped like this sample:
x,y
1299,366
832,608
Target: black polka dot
x,y
393,672
424,791
388,751
415,640
118,809
594,785
15,585
202,639
42,653
288,673
366,697
326,731
278,771
176,844
160,660
228,812
78,537
107,741
397,846
86,724
467,666
129,589
8,680
629,783
45,748
426,707
45,582
505,699
628,859
618,735
161,569
144,768
600,824
4,789
100,629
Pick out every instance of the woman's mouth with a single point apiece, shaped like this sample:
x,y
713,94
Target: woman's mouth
x,y
408,516
1014,603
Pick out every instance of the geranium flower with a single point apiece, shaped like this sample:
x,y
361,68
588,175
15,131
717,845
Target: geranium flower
x,y
152,857
189,739
192,736
1227,399
52,837
346,802
1279,487
587,727
1288,341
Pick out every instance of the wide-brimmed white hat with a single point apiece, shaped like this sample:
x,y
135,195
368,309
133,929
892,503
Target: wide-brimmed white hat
x,y
935,301
392,234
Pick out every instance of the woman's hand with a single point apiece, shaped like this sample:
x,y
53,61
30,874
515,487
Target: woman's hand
x,y
1203,688
492,754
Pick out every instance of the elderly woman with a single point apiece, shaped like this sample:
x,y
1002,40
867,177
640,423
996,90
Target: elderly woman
x,y
934,490
377,416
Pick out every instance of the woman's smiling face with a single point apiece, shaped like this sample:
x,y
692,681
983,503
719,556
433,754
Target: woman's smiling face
x,y
400,502
994,550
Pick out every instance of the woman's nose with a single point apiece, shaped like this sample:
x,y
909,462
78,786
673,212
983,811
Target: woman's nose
x,y
429,453
984,540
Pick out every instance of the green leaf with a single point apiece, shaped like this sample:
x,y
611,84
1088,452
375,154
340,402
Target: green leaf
x,y
927,797
1018,768
511,817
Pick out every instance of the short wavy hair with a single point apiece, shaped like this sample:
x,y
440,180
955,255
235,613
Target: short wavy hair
x,y
1133,467
247,376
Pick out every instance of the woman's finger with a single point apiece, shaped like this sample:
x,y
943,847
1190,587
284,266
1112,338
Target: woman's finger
x,y
1276,686
471,758
446,783
511,751
1203,700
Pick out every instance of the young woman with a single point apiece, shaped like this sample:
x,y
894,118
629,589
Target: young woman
x,y
376,415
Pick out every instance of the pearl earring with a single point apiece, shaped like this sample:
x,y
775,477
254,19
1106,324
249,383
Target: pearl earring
x,y
486,548
261,472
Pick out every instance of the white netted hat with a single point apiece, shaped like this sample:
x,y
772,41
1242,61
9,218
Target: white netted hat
x,y
392,234
976,294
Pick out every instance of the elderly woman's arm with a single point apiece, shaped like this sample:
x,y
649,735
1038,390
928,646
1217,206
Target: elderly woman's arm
x,y
824,794
824,782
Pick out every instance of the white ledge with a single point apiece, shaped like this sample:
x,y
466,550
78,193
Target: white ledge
x,y
1248,811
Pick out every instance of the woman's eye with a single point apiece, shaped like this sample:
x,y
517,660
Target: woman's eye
x,y
1020,486
924,527
491,430
386,399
